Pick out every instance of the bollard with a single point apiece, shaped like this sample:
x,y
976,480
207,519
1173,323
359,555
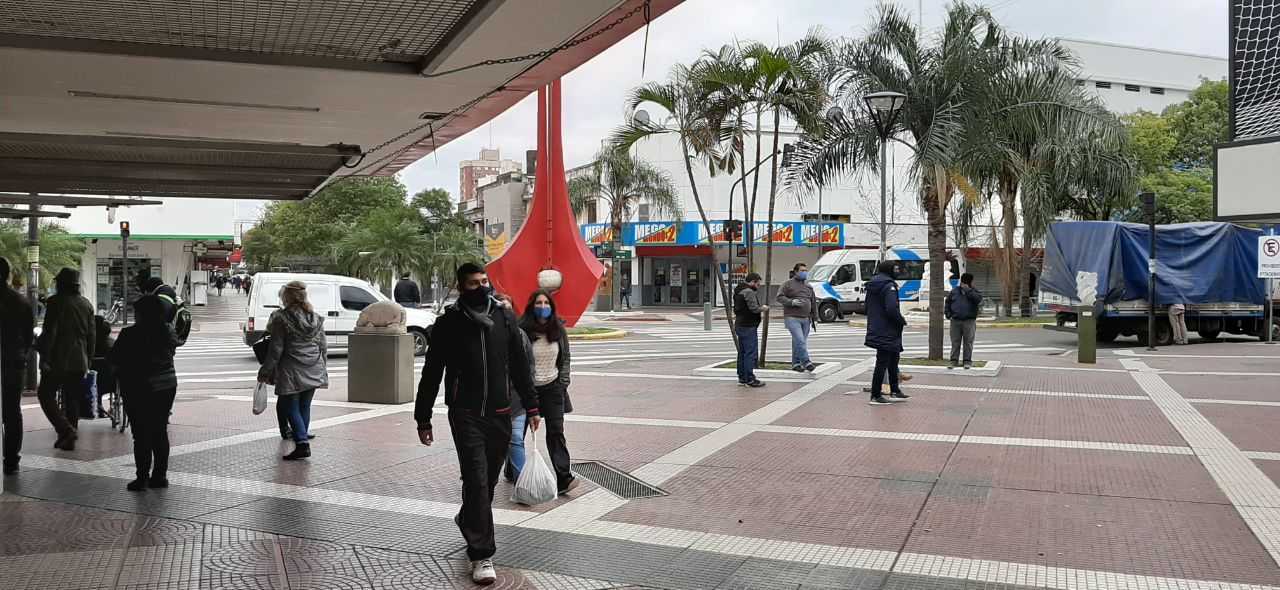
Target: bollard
x,y
1087,335
706,316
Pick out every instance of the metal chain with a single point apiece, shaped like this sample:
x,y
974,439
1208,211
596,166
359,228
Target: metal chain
x,y
546,52
490,62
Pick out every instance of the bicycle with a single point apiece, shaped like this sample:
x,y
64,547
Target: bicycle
x,y
116,311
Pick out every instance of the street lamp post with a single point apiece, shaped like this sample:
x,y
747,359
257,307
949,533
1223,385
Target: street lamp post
x,y
884,107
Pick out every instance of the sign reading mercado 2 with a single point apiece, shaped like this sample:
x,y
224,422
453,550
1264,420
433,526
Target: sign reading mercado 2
x,y
692,233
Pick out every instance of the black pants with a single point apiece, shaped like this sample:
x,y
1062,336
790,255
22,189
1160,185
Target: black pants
x,y
72,387
551,407
11,410
149,421
886,362
481,443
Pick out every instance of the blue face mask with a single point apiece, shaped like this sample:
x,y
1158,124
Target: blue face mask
x,y
542,313
803,275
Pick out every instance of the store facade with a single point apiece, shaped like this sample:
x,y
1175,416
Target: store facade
x,y
672,262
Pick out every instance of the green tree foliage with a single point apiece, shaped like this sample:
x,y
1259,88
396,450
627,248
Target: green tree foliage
x,y
1152,140
437,209
1181,195
1199,122
58,249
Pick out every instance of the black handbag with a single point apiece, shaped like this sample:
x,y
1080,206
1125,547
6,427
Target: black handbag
x,y
261,347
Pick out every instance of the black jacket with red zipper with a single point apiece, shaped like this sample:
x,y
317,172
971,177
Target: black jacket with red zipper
x,y
476,353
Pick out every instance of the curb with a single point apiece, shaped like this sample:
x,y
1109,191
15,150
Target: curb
x,y
823,370
992,369
614,335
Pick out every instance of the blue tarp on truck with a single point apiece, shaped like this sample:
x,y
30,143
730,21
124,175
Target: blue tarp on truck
x,y
1196,263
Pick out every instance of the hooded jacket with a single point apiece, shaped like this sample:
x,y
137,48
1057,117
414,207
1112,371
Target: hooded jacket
x,y
297,355
884,317
143,358
476,353
746,306
68,336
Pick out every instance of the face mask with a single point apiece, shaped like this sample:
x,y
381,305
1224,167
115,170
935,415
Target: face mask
x,y
542,313
478,296
803,275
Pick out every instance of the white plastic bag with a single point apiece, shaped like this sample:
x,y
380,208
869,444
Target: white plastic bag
x,y
260,398
537,483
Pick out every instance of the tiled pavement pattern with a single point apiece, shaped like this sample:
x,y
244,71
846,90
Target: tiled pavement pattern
x,y
1047,476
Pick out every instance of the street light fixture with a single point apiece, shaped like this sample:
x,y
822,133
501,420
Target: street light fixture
x,y
884,108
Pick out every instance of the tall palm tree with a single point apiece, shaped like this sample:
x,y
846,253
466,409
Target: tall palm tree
x,y
623,182
684,98
382,245
938,78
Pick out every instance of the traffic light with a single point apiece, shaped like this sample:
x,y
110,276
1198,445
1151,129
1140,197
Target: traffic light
x,y
1149,206
733,229
124,229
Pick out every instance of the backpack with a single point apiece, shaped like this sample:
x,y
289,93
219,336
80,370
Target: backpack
x,y
181,323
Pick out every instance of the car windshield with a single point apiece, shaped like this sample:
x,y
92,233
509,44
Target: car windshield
x,y
822,273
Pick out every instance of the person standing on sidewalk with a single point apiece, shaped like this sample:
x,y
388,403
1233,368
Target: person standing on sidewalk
x,y
884,332
476,347
799,314
746,322
406,292
143,359
962,305
1178,320
549,346
296,362
66,351
17,334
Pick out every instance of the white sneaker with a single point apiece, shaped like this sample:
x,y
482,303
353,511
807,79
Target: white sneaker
x,y
482,572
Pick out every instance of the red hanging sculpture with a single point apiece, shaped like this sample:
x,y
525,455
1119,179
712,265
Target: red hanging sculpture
x,y
549,240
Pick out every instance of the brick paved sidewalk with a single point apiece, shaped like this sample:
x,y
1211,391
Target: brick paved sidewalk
x,y
1140,472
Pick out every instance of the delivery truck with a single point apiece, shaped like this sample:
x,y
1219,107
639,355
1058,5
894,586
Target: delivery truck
x,y
1105,266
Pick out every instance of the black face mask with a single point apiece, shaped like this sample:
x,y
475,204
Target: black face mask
x,y
476,297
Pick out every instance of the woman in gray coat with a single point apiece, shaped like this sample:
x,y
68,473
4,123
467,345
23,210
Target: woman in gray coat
x,y
295,361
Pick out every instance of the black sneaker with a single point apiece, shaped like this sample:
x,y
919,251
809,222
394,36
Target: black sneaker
x,y
158,483
953,365
968,366
797,368
136,485
879,400
898,395
300,451
757,383
810,367
573,483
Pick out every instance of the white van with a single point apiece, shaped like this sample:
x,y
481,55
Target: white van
x,y
339,299
837,278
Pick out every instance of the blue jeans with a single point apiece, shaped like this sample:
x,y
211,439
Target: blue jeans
x,y
799,328
297,406
748,353
515,450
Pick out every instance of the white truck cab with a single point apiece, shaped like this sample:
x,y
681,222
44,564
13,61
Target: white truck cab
x,y
837,278
339,299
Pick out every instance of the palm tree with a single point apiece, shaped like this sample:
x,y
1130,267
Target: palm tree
x,y
685,98
623,182
58,248
448,248
383,244
939,79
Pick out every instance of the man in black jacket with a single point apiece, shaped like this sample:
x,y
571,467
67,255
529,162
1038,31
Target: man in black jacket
x,y
17,323
962,307
476,347
406,292
884,332
746,320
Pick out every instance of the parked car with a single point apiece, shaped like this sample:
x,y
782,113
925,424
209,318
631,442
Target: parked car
x,y
340,299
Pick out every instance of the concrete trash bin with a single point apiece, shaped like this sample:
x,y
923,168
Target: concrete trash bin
x,y
380,357
380,368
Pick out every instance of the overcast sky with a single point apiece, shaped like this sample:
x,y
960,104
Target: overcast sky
x,y
594,93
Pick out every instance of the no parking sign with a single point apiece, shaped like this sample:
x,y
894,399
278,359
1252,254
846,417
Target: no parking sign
x,y
1269,257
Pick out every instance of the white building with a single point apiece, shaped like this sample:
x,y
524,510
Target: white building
x,y
161,242
1129,79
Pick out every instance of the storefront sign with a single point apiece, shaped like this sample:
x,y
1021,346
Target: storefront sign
x,y
694,233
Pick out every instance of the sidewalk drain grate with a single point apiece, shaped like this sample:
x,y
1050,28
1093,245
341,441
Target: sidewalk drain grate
x,y
620,483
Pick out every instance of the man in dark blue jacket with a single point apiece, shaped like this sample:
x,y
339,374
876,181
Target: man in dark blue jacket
x,y
962,307
884,332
